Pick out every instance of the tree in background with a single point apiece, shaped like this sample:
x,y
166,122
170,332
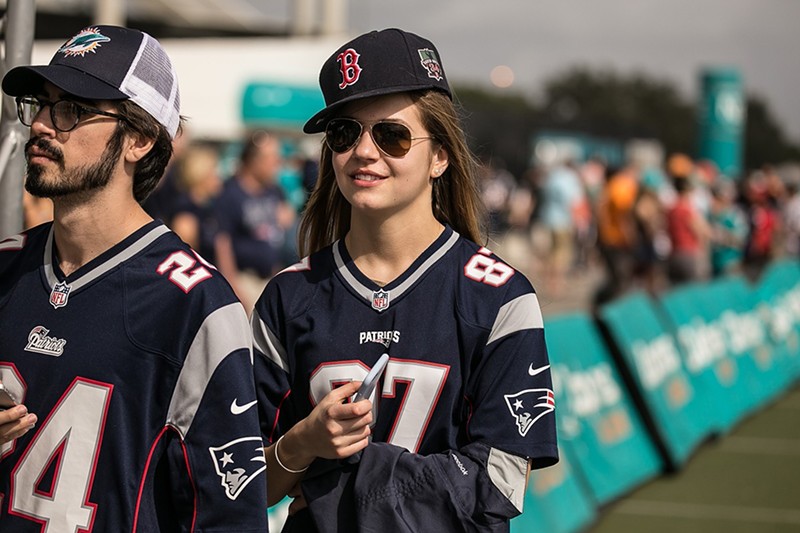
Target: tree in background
x,y
609,104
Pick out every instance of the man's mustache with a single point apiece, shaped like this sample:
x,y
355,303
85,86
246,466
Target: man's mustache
x,y
44,146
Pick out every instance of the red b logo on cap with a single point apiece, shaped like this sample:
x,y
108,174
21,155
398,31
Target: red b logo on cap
x,y
348,63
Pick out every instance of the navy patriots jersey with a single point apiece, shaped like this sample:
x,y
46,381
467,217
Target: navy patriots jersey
x,y
468,362
139,367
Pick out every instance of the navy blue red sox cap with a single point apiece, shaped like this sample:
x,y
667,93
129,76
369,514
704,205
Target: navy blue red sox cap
x,y
108,63
377,63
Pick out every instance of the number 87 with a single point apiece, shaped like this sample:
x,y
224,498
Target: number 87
x,y
424,383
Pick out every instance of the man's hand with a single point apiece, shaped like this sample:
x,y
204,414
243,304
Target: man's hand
x,y
15,422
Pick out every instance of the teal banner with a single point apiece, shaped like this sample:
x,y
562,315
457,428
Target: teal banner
x,y
731,301
653,360
555,502
777,294
701,339
721,119
270,104
597,421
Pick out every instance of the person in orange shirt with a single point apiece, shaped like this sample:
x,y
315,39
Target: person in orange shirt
x,y
616,230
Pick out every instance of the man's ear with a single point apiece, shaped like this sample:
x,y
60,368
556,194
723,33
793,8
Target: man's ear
x,y
137,147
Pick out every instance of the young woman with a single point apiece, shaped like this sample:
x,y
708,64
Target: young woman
x,y
464,407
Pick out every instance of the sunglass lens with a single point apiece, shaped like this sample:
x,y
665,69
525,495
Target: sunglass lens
x,y
392,138
341,135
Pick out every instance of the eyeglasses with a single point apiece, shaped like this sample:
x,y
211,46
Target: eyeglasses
x,y
65,114
392,138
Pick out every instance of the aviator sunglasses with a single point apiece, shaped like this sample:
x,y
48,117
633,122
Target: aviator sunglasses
x,y
391,138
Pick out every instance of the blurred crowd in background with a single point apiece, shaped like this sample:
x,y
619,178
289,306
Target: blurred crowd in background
x,y
648,227
645,227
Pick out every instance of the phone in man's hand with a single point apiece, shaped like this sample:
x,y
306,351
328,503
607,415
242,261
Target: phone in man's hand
x,y
7,400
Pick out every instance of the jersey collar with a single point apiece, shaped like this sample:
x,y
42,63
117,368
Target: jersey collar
x,y
379,298
103,263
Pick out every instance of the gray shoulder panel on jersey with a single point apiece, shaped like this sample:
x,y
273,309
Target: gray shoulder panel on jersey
x,y
135,247
508,473
517,315
222,332
268,343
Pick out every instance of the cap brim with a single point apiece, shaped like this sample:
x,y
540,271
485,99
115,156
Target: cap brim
x,y
27,79
317,123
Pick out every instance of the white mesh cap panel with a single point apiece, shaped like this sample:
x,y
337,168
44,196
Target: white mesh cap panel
x,y
152,84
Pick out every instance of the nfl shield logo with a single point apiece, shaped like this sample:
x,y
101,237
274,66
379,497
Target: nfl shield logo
x,y
59,294
380,300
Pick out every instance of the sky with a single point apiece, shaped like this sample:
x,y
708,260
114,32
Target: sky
x,y
670,40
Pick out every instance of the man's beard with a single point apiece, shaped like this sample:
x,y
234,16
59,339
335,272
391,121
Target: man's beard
x,y
74,180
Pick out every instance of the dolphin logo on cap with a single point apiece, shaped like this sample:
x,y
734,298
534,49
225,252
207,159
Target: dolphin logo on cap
x,y
88,40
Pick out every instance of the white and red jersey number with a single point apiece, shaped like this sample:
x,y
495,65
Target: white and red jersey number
x,y
482,268
67,444
424,383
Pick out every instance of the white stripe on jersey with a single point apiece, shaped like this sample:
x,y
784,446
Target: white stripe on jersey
x,y
517,315
268,343
204,356
508,473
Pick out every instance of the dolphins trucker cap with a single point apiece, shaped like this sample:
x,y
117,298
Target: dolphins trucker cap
x,y
108,63
376,63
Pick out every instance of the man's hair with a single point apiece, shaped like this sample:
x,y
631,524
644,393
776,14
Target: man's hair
x,y
253,145
150,168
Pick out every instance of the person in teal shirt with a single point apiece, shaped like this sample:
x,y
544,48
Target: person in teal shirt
x,y
729,229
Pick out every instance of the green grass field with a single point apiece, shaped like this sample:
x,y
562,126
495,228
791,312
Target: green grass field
x,y
747,481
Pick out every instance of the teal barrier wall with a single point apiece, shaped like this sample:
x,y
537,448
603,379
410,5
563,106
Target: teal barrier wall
x,y
713,371
597,422
555,502
731,303
777,296
654,361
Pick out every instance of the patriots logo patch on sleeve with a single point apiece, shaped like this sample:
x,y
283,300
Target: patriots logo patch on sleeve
x,y
528,406
237,463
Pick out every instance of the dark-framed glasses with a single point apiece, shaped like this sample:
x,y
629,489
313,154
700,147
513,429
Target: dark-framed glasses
x,y
391,138
64,114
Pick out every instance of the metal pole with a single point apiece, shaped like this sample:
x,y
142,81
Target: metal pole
x,y
19,24
111,12
303,17
334,17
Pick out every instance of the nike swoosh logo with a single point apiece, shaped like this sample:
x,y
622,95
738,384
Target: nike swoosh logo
x,y
533,371
239,409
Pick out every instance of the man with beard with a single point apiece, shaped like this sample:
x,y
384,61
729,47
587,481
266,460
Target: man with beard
x,y
133,352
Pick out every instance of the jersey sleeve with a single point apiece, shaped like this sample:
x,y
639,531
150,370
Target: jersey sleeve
x,y
271,365
214,412
511,395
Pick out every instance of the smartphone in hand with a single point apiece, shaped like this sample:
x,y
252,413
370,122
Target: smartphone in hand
x,y
7,400
369,383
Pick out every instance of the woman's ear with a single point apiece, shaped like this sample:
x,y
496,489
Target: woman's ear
x,y
439,162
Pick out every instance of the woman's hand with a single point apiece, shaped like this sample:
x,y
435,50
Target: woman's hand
x,y
333,430
15,422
